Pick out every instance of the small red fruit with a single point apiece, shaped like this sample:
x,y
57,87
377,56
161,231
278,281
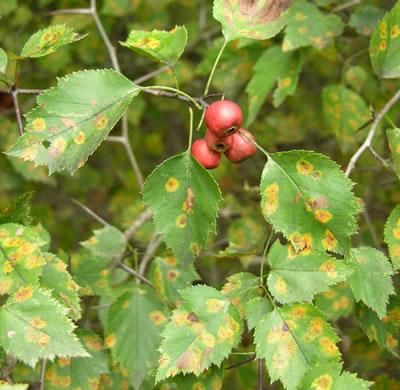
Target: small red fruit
x,y
204,155
223,118
241,148
218,144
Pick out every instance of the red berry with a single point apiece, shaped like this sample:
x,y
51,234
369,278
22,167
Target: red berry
x,y
223,118
241,148
218,144
204,155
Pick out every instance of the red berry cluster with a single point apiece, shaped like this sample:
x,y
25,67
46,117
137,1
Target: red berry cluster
x,y
223,119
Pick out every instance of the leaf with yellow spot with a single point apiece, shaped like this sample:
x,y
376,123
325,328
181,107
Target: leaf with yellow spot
x,y
47,41
356,77
210,379
392,235
201,332
293,337
308,26
168,276
79,372
345,111
34,326
260,19
330,376
137,327
365,18
67,110
186,229
297,277
384,45
19,211
164,47
295,187
273,66
393,136
371,281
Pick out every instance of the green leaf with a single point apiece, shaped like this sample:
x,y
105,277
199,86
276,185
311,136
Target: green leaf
x,y
72,119
297,277
273,66
256,309
211,379
35,326
308,26
308,198
17,386
371,280
392,236
3,61
356,77
47,41
330,376
202,331
134,324
57,279
384,45
364,19
183,197
80,372
107,242
19,211
7,6
261,19
345,111
168,277
393,136
293,337
21,260
164,47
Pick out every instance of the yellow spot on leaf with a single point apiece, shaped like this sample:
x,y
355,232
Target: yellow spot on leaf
x,y
302,30
110,340
254,98
301,241
329,242
93,343
215,305
316,175
328,346
38,323
179,317
280,286
304,167
382,45
271,201
333,96
39,124
298,312
34,261
181,221
279,362
23,294
391,342
195,248
172,184
323,382
323,216
12,241
64,361
172,275
300,16
157,317
394,32
101,123
5,286
396,233
171,261
316,326
329,268
26,249
80,138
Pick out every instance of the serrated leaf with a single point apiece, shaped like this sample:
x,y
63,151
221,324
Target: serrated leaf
x,y
297,277
384,45
261,19
72,119
256,309
168,277
202,331
308,198
135,321
107,242
392,236
34,326
3,61
19,211
56,278
308,26
330,376
371,280
345,111
164,47
394,145
79,372
364,19
292,339
272,66
183,197
211,379
21,260
47,41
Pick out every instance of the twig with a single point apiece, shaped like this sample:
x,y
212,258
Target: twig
x,y
137,223
250,359
42,373
22,91
380,159
154,243
150,75
100,307
131,155
345,5
172,95
69,11
90,212
368,140
136,274
260,374
14,95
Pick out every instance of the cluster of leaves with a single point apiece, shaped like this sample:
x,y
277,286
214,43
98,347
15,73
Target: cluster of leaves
x,y
297,275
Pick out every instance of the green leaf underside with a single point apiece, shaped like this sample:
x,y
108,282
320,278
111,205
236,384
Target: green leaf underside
x,y
384,47
308,26
345,111
297,277
107,242
394,145
3,61
273,66
292,340
330,376
168,277
371,280
211,379
364,19
308,198
183,197
202,331
80,372
18,386
392,236
256,308
134,324
56,278
164,47
33,326
261,19
19,211
72,119
21,260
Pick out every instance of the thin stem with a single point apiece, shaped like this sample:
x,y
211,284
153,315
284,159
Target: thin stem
x,y
154,243
90,212
100,307
137,223
21,91
260,374
14,95
190,127
345,5
264,257
136,274
112,138
133,161
250,359
214,68
150,75
81,11
42,373
260,148
385,163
